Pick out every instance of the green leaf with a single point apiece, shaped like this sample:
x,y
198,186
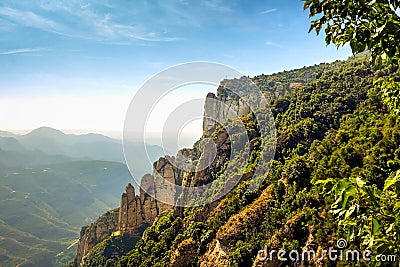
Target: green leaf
x,y
360,182
345,198
372,197
339,199
379,30
391,181
307,4
375,226
349,191
330,180
349,212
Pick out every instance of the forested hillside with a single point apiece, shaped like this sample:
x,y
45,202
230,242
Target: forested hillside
x,y
51,183
333,176
44,206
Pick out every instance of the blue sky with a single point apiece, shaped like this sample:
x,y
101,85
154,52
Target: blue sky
x,y
70,49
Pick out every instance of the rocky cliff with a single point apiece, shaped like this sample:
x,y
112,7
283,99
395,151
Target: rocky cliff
x,y
130,211
229,103
91,235
137,211
319,126
233,99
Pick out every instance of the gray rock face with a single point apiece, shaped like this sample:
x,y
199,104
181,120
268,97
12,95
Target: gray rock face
x,y
130,212
228,104
138,211
95,233
149,205
155,190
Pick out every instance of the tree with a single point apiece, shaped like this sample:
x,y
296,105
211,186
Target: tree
x,y
372,25
368,213
364,210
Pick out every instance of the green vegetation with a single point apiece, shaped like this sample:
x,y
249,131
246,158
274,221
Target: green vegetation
x,y
50,185
43,207
335,175
336,171
365,210
372,25
107,252
365,25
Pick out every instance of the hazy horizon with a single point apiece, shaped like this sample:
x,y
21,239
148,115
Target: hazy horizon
x,y
84,60
185,141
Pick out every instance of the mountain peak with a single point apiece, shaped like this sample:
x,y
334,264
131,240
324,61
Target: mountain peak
x,y
46,131
6,134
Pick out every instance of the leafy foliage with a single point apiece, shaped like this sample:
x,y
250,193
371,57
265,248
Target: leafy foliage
x,y
365,209
109,251
390,93
338,148
372,25
336,169
366,25
365,193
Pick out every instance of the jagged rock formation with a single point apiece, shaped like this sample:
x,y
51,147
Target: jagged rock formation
x,y
91,235
285,211
149,205
136,212
145,207
130,211
227,104
165,175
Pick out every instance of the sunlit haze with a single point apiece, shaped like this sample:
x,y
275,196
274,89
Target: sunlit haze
x,y
75,65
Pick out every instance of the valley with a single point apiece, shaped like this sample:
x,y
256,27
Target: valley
x,y
50,188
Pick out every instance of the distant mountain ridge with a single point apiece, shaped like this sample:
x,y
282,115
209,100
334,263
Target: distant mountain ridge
x,y
51,183
7,134
48,132
55,142
53,146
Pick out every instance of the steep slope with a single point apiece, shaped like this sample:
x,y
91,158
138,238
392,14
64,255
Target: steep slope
x,y
6,134
46,197
42,208
10,144
331,127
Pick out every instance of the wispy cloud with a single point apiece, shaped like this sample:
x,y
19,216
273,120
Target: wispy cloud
x,y
95,26
271,43
104,30
30,19
217,5
21,51
269,11
153,63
